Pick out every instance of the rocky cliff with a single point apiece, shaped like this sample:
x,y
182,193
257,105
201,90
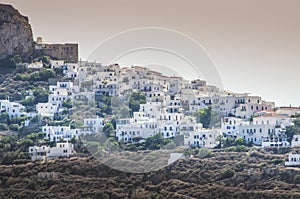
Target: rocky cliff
x,y
15,33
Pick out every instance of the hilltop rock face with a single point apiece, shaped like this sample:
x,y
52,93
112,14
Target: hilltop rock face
x,y
15,33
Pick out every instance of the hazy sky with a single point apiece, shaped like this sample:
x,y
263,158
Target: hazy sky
x,y
255,44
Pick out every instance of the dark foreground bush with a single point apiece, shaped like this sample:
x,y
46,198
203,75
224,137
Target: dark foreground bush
x,y
227,173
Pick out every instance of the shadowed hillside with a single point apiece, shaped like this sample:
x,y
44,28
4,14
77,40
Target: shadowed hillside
x,y
255,174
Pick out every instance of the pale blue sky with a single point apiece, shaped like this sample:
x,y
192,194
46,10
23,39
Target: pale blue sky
x,y
254,44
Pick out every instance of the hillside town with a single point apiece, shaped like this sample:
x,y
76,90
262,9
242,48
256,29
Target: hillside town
x,y
170,106
132,105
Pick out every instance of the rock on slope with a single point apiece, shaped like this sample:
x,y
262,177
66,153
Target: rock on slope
x,y
15,33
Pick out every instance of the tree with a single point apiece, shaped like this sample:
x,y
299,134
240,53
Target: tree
x,y
229,141
3,127
108,129
290,132
45,74
239,141
35,137
40,95
67,103
297,123
45,60
104,105
297,179
155,142
23,144
208,117
123,112
17,120
4,117
36,119
227,173
15,60
14,127
293,130
20,68
3,96
29,101
297,115
135,100
220,138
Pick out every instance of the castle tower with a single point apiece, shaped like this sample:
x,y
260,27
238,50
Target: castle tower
x,y
39,40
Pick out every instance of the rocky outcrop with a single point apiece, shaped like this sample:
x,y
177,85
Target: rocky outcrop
x,y
15,33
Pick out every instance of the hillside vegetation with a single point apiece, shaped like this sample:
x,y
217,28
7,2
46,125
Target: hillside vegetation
x,y
254,174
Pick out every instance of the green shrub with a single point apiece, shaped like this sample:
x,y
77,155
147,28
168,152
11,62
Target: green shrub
x,y
101,195
203,152
3,127
131,147
238,148
14,127
67,103
4,118
30,101
170,146
297,179
3,96
45,74
20,68
227,173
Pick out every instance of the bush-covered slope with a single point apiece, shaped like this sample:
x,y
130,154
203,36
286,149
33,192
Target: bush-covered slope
x,y
255,174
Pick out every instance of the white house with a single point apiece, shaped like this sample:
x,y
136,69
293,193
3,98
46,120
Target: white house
x,y
59,93
247,106
275,142
12,108
94,124
58,97
57,63
189,125
47,109
38,152
83,96
266,130
136,131
293,160
230,126
296,141
62,149
61,85
70,70
204,138
57,133
170,129
54,133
